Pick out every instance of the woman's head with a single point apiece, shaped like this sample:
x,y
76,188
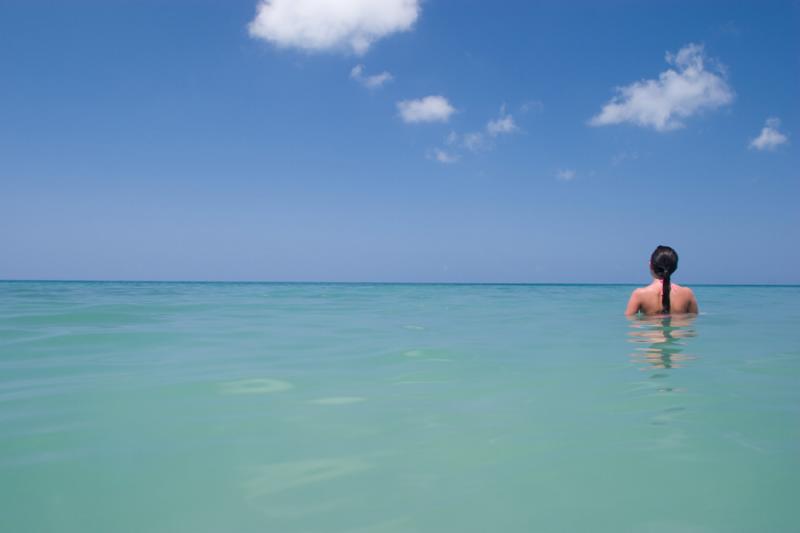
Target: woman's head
x,y
663,262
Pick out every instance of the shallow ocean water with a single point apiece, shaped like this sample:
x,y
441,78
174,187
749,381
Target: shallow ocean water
x,y
221,407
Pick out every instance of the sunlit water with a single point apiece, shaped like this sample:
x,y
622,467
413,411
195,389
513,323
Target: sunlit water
x,y
161,407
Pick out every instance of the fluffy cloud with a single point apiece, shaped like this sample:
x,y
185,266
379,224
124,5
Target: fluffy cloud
x,y
770,138
443,157
318,25
565,174
428,109
503,124
370,82
694,85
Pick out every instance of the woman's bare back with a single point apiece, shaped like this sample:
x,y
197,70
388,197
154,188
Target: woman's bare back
x,y
647,300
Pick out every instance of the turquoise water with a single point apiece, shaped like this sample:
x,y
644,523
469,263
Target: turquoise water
x,y
172,407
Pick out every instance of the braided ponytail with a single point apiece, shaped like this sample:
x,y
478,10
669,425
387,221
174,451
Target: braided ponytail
x,y
663,263
665,304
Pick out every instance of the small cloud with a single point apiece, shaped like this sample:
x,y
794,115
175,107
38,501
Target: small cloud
x,y
694,85
476,141
324,25
370,82
503,124
770,138
473,141
443,156
428,109
532,106
565,175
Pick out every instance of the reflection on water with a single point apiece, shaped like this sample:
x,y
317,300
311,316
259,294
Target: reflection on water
x,y
661,340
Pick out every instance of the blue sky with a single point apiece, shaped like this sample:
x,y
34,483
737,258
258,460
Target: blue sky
x,y
507,141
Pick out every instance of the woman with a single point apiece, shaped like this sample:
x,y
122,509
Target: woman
x,y
662,296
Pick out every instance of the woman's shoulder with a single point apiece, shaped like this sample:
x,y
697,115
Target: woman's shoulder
x,y
684,300
638,292
681,288
639,295
644,290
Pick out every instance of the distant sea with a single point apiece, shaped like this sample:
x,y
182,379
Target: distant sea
x,y
269,407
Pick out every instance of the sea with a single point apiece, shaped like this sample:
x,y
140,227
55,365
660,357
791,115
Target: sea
x,y
373,408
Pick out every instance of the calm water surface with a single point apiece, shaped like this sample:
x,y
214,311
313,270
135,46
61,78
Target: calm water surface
x,y
180,407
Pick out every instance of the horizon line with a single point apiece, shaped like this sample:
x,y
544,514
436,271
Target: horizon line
x,y
323,282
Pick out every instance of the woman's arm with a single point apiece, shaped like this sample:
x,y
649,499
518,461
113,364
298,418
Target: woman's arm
x,y
693,307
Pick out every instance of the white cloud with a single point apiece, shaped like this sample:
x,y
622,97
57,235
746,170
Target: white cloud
x,y
443,157
694,85
319,25
770,138
503,124
473,141
480,140
428,109
370,82
476,141
565,174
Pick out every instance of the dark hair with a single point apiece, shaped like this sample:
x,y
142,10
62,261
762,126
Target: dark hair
x,y
663,263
